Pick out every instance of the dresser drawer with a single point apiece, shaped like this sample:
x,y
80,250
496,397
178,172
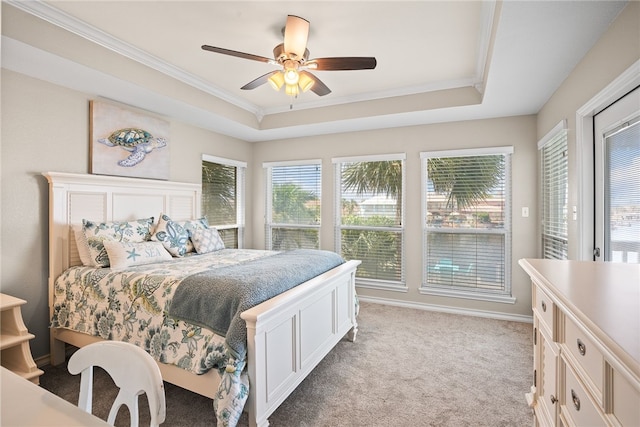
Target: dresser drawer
x,y
626,401
544,308
590,360
577,407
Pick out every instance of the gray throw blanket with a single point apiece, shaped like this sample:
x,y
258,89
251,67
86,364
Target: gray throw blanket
x,y
215,298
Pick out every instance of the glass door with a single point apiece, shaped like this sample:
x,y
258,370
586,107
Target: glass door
x,y
617,181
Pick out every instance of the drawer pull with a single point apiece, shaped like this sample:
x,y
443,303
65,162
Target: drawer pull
x,y
582,348
544,306
576,400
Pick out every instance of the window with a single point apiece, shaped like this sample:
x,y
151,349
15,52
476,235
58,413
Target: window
x,y
467,223
293,205
370,218
223,197
554,193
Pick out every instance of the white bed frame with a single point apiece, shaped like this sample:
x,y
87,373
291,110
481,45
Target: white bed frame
x,y
287,335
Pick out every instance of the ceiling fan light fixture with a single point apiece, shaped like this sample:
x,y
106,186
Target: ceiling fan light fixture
x,y
292,90
277,80
305,82
292,58
291,76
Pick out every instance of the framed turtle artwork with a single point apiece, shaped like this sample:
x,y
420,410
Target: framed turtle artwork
x,y
129,143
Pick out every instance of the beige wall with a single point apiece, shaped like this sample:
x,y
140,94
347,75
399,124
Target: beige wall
x,y
518,132
46,128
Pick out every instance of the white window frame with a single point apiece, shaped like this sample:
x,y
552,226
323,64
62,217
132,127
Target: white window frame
x,y
269,224
241,169
554,227
399,286
505,295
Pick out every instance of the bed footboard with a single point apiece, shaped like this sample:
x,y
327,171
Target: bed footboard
x,y
287,337
290,334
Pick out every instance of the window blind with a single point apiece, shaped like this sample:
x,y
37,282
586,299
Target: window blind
x,y
554,193
293,205
622,193
467,222
223,199
369,217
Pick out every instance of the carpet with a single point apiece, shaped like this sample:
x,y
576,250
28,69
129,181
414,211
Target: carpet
x,y
407,367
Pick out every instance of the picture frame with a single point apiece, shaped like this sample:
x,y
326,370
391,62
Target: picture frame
x,y
125,142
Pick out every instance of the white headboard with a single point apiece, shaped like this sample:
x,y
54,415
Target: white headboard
x,y
74,197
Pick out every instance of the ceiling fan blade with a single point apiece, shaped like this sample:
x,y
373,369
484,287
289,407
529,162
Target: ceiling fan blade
x,y
237,54
259,81
296,33
344,63
318,87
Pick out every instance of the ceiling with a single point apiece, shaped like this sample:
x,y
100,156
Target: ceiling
x,y
437,60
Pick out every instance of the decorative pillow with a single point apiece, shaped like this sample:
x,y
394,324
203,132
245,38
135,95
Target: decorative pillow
x,y
206,240
174,235
193,224
125,254
120,231
82,245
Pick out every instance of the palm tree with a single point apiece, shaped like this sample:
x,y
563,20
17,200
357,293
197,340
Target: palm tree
x,y
378,250
453,176
291,204
450,175
383,177
219,192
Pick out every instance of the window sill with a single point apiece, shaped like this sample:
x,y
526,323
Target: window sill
x,y
381,285
455,293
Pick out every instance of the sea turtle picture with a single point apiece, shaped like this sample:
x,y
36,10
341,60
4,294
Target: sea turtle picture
x,y
138,141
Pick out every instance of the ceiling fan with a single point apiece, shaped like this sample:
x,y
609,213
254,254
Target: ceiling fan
x,y
292,57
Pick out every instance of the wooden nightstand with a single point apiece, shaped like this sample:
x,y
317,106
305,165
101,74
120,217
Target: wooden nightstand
x,y
15,353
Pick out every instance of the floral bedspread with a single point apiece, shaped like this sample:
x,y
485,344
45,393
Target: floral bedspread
x,y
132,305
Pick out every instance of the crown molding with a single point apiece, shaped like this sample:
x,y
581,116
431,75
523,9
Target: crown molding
x,y
64,20
488,21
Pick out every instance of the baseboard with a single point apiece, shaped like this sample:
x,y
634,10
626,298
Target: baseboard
x,y
448,309
46,359
43,361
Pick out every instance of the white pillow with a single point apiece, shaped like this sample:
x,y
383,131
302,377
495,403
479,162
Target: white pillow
x,y
206,240
82,245
126,254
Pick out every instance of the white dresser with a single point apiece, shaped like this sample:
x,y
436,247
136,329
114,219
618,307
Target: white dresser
x,y
586,343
